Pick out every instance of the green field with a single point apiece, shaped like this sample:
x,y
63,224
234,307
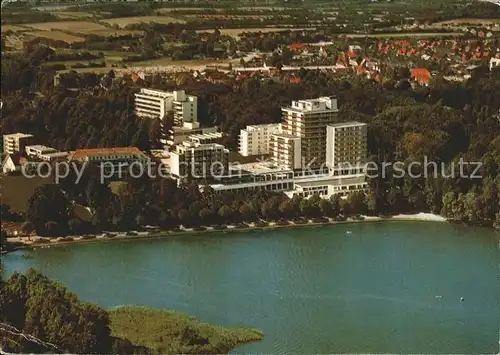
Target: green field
x,y
16,190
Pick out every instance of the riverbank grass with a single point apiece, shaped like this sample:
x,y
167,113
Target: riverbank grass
x,y
168,332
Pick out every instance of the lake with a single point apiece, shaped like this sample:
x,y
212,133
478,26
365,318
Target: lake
x,y
350,288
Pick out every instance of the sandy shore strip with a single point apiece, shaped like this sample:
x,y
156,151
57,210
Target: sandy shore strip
x,y
419,217
40,242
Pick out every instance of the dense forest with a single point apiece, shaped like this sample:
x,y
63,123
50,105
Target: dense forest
x,y
47,311
444,122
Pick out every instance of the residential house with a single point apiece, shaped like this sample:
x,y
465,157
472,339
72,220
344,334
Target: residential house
x,y
217,77
421,75
494,63
296,47
12,162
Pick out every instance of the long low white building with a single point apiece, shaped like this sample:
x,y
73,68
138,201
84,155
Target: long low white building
x,y
45,153
264,176
326,185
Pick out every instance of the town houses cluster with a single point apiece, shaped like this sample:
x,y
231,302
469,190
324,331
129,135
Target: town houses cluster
x,y
311,151
454,58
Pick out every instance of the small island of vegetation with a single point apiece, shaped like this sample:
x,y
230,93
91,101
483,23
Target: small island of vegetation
x,y
42,316
168,332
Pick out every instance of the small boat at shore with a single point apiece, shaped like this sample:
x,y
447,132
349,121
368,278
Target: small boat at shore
x,y
348,232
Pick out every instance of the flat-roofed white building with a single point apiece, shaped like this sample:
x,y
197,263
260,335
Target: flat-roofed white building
x,y
16,142
255,176
45,153
37,150
204,138
304,183
179,134
255,139
54,156
326,184
199,161
152,103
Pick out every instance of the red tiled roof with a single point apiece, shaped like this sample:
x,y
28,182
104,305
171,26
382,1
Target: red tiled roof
x,y
295,46
242,76
422,75
96,152
342,60
134,77
351,54
361,70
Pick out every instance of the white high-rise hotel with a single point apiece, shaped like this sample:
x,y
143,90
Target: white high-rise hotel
x,y
306,120
156,104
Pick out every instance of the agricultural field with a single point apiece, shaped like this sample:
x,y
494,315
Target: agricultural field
x,y
67,31
405,34
110,32
472,21
235,32
259,8
230,17
125,21
167,64
71,26
14,28
73,15
173,9
55,35
468,21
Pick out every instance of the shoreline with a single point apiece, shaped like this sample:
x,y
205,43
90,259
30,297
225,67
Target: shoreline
x,y
25,244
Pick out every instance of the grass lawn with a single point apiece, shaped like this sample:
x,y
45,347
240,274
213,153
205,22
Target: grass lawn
x,y
168,332
115,186
16,190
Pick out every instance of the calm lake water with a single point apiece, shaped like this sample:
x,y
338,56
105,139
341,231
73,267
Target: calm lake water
x,y
311,290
